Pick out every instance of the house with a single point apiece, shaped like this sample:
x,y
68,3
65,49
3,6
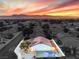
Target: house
x,y
40,47
44,48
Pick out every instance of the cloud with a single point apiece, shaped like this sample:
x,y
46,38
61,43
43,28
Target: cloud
x,y
39,7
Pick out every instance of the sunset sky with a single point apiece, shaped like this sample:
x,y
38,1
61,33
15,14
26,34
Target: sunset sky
x,y
40,7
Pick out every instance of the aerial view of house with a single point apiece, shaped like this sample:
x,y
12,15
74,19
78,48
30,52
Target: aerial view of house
x,y
39,47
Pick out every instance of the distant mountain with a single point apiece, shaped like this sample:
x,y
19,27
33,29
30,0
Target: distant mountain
x,y
40,17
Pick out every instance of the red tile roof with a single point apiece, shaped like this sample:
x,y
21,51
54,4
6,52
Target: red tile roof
x,y
42,40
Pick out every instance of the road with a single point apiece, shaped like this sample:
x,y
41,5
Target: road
x,y
8,51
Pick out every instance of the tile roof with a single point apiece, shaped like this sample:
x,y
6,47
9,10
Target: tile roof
x,y
41,40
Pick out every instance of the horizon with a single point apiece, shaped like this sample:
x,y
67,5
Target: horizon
x,y
36,17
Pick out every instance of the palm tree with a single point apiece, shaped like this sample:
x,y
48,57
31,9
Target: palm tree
x,y
25,45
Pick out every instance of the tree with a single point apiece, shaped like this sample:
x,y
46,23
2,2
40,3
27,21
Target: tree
x,y
25,45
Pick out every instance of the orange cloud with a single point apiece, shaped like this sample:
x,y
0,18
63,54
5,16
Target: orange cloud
x,y
40,9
